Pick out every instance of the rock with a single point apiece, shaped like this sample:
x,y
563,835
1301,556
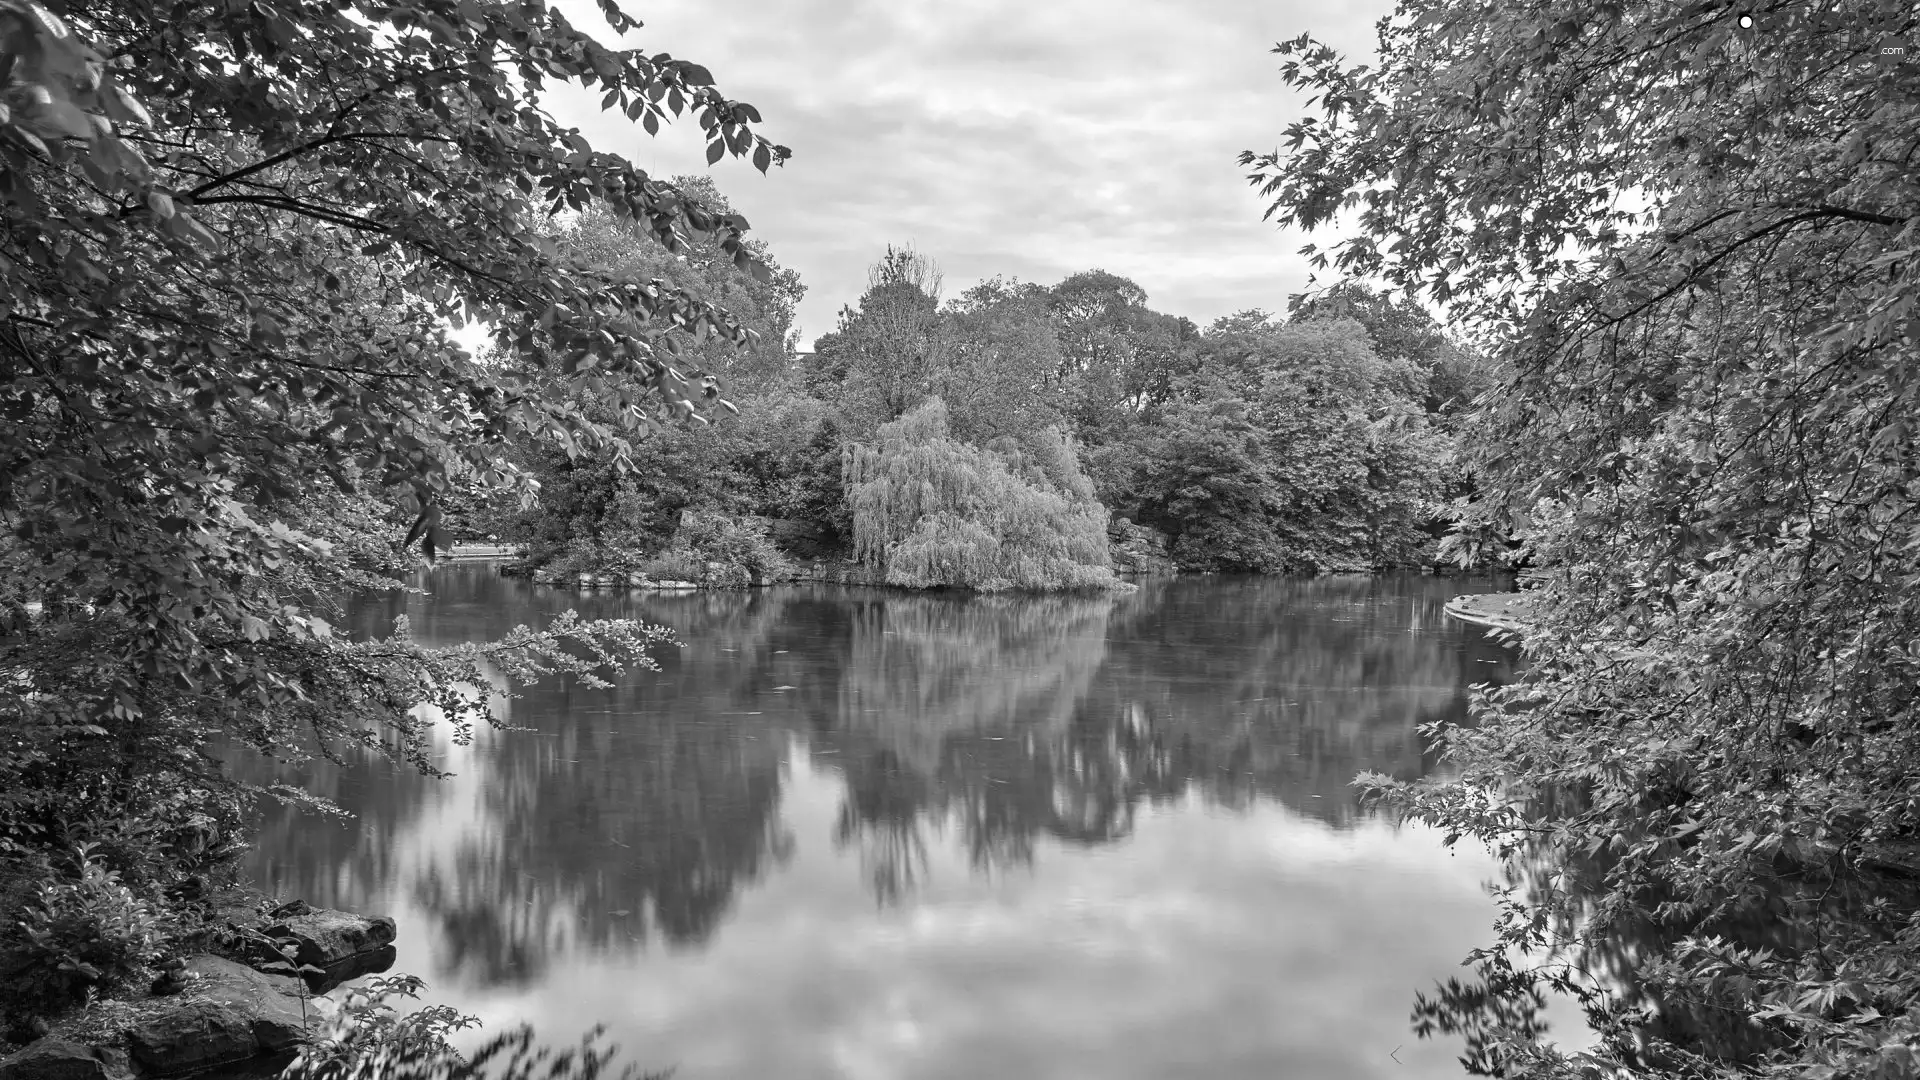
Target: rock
x,y
233,1014
291,908
1137,549
339,944
254,947
57,1059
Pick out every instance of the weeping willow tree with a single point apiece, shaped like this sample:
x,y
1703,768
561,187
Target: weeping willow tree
x,y
933,512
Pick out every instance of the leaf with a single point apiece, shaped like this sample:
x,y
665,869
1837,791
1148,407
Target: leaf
x,y
715,151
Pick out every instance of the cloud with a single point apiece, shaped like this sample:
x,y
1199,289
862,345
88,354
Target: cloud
x,y
1247,944
1004,137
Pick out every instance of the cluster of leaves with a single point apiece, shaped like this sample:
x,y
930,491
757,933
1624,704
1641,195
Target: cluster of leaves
x,y
232,238
79,934
933,512
1294,448
368,1038
1260,446
741,549
1263,447
780,458
1693,244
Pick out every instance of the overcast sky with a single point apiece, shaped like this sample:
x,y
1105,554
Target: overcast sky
x,y
1026,139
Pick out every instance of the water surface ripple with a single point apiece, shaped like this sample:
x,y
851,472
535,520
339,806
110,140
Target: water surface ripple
x,y
852,833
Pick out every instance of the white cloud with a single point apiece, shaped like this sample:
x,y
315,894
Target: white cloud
x,y
1001,137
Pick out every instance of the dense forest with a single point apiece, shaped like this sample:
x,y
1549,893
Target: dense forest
x,y
1069,415
1687,234
1674,246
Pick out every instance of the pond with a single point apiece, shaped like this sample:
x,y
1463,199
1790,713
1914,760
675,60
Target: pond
x,y
851,833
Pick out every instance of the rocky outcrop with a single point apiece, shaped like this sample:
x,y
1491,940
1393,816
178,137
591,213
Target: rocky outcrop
x,y
329,947
226,1015
231,1014
840,572
1502,611
57,1059
1137,549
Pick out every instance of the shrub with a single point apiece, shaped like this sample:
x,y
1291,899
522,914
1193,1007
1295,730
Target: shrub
x,y
76,935
368,1039
936,512
673,566
739,545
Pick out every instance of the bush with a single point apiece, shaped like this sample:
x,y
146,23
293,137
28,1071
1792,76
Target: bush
x,y
739,545
934,512
673,566
80,935
370,1040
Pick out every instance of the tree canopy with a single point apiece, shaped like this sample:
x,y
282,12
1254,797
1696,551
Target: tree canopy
x,y
1691,242
232,240
931,511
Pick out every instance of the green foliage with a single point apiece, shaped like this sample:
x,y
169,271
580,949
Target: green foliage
x,y
934,512
369,1039
1296,449
1118,356
741,549
704,269
613,508
889,351
224,364
780,458
78,935
1002,351
1402,331
1693,245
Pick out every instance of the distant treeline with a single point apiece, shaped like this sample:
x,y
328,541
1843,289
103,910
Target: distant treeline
x,y
1033,416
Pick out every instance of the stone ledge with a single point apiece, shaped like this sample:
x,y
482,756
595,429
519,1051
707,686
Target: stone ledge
x,y
226,1014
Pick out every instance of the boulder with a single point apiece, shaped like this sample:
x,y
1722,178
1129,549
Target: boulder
x,y
230,1014
331,947
1137,549
57,1059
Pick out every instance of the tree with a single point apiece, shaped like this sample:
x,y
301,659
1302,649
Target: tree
x,y
222,332
1295,449
933,512
1692,243
887,352
1119,356
606,508
705,270
1402,330
1001,353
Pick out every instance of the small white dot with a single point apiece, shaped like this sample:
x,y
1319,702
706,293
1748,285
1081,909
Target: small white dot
x,y
1746,22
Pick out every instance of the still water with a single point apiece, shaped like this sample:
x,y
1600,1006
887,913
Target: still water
x,y
848,833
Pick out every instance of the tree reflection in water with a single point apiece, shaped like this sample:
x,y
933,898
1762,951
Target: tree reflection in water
x,y
639,814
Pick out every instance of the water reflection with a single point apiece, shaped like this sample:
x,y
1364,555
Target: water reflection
x,y
992,729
